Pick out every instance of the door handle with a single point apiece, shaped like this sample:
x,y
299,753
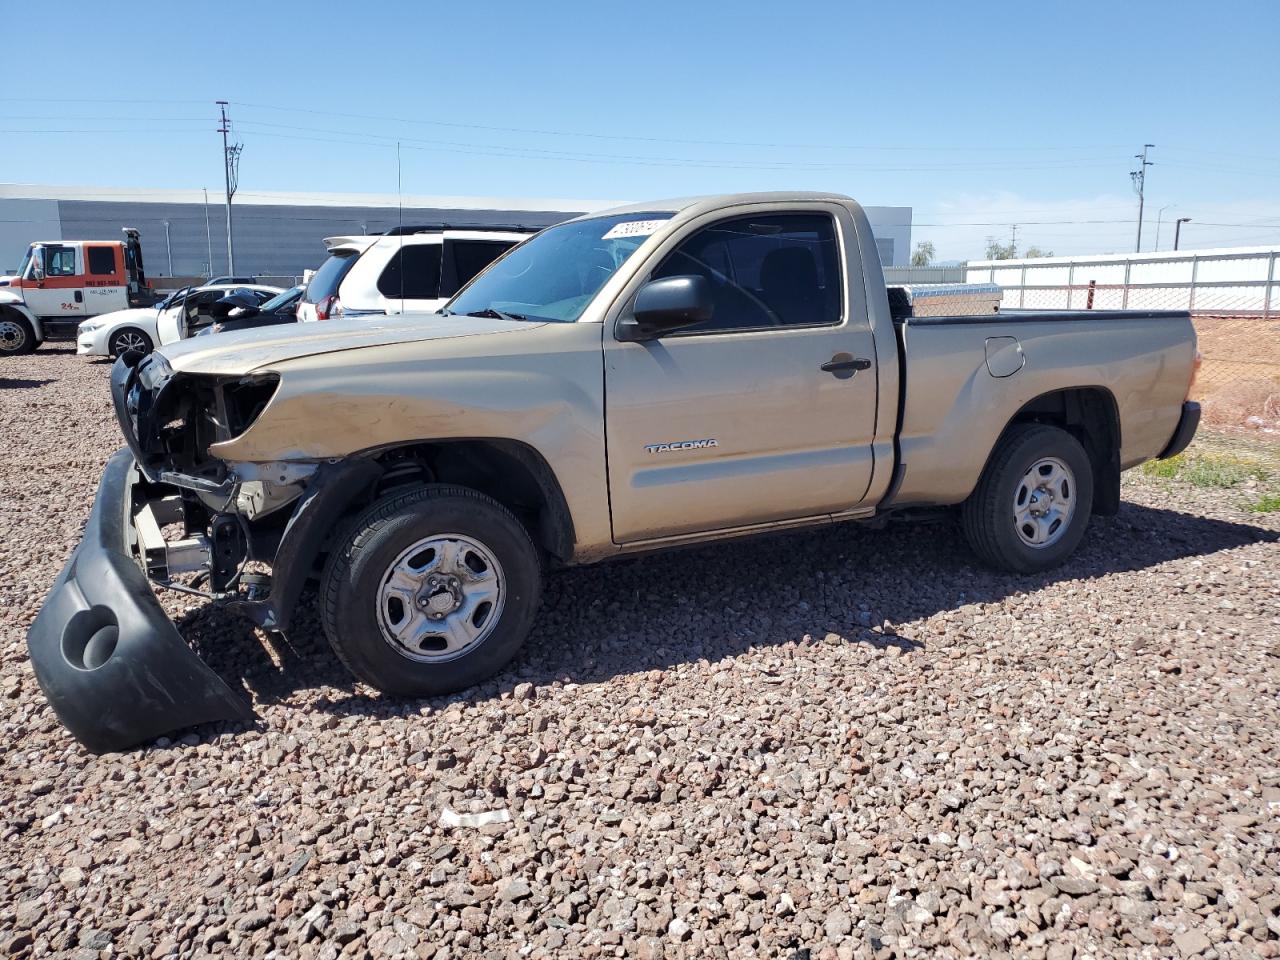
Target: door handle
x,y
845,365
79,297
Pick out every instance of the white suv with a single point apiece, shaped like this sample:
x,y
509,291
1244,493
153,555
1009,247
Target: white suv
x,y
405,269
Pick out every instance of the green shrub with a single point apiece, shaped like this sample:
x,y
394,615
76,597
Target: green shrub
x,y
1207,470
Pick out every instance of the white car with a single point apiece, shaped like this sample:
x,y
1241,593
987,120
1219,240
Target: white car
x,y
140,328
112,334
408,268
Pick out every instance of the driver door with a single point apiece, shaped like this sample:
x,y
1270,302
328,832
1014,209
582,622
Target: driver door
x,y
61,292
752,416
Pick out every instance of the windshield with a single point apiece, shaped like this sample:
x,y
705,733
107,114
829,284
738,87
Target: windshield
x,y
326,280
281,299
172,298
26,261
554,275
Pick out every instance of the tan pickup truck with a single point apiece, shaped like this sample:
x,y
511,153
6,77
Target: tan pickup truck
x,y
656,375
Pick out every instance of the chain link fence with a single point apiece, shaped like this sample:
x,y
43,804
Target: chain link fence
x,y
1239,378
1241,282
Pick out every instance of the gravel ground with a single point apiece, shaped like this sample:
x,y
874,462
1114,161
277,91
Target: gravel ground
x,y
842,743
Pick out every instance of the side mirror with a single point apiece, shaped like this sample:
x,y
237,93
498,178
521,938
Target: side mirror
x,y
665,305
37,263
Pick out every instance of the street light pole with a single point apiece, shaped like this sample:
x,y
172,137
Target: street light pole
x,y
168,247
1139,178
208,236
1177,229
1158,216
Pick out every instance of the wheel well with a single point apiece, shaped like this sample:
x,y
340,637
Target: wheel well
x,y
1090,415
510,472
12,314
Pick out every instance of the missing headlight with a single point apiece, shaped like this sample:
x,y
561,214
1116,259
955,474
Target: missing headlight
x,y
244,400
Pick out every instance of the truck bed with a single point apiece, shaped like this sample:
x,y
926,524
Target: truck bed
x,y
955,370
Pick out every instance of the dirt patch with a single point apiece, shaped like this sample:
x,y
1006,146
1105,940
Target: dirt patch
x,y
1239,381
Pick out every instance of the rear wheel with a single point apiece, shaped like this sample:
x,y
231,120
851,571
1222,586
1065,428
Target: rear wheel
x,y
16,335
430,591
1033,502
129,339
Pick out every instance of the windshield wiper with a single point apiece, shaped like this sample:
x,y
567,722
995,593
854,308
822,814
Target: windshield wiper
x,y
492,314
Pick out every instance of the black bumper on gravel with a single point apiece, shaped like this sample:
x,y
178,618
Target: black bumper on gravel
x,y
110,661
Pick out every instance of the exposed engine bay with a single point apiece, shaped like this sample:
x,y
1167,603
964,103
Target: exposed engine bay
x,y
228,513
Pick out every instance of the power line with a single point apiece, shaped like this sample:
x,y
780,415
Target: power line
x,y
642,139
931,147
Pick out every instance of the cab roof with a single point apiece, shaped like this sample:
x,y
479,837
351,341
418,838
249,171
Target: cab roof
x,y
693,206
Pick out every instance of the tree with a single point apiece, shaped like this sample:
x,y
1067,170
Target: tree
x,y
1033,252
923,255
1001,251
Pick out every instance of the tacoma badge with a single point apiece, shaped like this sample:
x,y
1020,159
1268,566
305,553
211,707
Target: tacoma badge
x,y
680,445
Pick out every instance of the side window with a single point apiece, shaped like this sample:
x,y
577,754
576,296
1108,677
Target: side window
x,y
466,258
60,261
417,267
102,261
779,270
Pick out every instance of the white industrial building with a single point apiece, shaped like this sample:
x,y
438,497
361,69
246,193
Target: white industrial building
x,y
279,234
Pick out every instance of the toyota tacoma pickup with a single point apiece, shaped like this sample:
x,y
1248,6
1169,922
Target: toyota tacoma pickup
x,y
657,375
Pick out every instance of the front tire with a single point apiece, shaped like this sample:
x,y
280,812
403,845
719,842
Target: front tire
x,y
16,335
430,591
129,339
1031,507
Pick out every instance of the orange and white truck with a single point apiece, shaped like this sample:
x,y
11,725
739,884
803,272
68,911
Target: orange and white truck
x,y
61,282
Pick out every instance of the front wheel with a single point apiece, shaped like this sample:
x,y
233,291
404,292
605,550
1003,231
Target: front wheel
x,y
430,591
129,340
1033,502
16,335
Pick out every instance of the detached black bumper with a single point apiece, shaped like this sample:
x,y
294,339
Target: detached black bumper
x,y
1185,432
111,663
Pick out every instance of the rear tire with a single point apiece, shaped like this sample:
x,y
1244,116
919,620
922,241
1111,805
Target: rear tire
x,y
1031,507
16,335
129,338
430,591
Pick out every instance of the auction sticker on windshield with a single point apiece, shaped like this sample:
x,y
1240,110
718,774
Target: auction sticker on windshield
x,y
633,228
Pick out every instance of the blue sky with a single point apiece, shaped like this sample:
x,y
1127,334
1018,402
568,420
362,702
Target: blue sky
x,y
978,116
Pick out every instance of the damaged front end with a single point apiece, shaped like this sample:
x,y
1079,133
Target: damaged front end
x,y
112,664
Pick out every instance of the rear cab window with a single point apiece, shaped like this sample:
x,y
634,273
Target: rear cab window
x,y
329,277
102,261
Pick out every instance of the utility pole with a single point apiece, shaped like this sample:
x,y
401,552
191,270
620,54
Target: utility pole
x,y
1013,241
231,167
1177,229
1139,178
168,247
208,237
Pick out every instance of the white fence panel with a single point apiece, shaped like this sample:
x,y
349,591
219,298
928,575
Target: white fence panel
x,y
1162,271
